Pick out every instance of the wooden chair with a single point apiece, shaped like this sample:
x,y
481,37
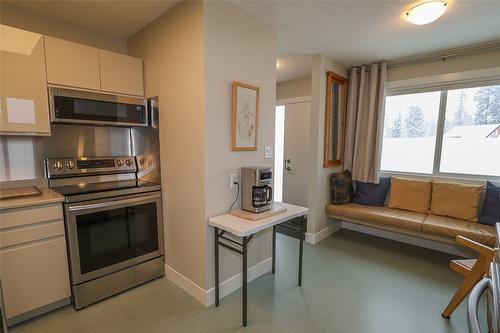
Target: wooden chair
x,y
472,269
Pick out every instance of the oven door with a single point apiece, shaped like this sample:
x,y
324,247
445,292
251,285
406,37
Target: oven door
x,y
108,235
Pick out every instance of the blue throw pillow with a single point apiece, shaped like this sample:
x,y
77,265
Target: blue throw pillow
x,y
372,194
490,213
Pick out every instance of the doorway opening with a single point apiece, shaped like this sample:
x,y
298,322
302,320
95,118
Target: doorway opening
x,y
291,159
279,147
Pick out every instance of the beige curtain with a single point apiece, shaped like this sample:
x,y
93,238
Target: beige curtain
x,y
364,123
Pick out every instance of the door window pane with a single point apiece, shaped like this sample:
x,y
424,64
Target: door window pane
x,y
471,140
410,127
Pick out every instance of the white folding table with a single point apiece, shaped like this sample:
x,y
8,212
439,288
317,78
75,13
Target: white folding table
x,y
292,222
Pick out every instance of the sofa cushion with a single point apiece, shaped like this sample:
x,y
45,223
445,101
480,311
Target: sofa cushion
x,y
378,215
491,208
372,194
452,227
456,200
341,187
410,194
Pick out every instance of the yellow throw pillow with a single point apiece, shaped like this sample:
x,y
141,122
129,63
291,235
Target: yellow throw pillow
x,y
410,194
456,200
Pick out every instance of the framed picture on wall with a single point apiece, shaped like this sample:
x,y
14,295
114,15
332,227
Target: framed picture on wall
x,y
245,116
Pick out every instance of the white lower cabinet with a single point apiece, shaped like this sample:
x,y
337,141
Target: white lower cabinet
x,y
33,263
34,275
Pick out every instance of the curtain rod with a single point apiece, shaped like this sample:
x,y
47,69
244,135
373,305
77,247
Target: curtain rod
x,y
438,56
444,55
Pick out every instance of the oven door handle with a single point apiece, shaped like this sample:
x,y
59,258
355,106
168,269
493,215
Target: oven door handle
x,y
473,304
112,203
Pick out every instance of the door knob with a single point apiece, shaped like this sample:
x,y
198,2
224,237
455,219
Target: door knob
x,y
288,168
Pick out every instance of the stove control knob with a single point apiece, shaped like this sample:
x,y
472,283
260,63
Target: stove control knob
x,y
128,162
119,163
57,165
70,164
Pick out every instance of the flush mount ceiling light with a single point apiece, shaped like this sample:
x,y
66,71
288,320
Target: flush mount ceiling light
x,y
426,12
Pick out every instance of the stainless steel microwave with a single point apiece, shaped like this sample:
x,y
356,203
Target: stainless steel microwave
x,y
93,108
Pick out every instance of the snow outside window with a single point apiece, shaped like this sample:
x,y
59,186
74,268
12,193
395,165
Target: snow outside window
x,y
443,132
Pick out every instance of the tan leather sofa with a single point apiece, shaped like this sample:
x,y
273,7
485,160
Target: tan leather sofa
x,y
428,226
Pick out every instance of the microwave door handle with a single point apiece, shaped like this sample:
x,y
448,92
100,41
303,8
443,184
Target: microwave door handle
x,y
473,304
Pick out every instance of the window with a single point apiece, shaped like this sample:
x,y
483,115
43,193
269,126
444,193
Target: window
x,y
410,126
443,132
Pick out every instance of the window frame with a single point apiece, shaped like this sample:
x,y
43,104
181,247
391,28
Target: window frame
x,y
443,88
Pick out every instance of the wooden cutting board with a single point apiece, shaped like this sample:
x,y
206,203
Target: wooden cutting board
x,y
19,192
275,210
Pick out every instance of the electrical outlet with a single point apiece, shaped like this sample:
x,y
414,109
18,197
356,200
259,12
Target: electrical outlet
x,y
235,178
268,152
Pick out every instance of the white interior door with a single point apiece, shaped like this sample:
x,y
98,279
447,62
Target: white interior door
x,y
296,153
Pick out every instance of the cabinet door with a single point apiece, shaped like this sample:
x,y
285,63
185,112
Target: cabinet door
x,y
72,64
34,275
121,73
24,105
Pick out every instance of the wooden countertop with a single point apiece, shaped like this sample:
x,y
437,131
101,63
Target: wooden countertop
x,y
48,196
242,227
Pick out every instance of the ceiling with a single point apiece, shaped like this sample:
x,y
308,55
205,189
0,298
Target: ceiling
x,y
351,32
355,32
116,18
290,67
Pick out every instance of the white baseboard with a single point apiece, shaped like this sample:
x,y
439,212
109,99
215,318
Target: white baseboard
x,y
186,284
207,297
235,282
318,237
426,243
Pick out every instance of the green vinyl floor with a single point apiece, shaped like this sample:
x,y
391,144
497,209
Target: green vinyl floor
x,y
352,283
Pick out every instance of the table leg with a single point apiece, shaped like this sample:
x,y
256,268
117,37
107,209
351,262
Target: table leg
x,y
274,250
216,266
301,250
244,286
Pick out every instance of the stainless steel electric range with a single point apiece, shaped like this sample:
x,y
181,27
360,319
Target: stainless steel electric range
x,y
113,224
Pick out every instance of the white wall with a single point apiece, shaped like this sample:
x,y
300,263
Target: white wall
x,y
27,20
172,49
293,88
192,54
238,47
319,177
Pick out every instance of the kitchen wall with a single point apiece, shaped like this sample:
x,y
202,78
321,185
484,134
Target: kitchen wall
x,y
238,47
21,157
173,51
319,177
293,88
27,20
192,54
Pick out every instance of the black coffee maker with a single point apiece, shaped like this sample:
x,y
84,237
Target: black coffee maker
x,y
256,189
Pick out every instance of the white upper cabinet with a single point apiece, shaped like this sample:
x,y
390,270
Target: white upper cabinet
x,y
72,64
24,107
121,73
